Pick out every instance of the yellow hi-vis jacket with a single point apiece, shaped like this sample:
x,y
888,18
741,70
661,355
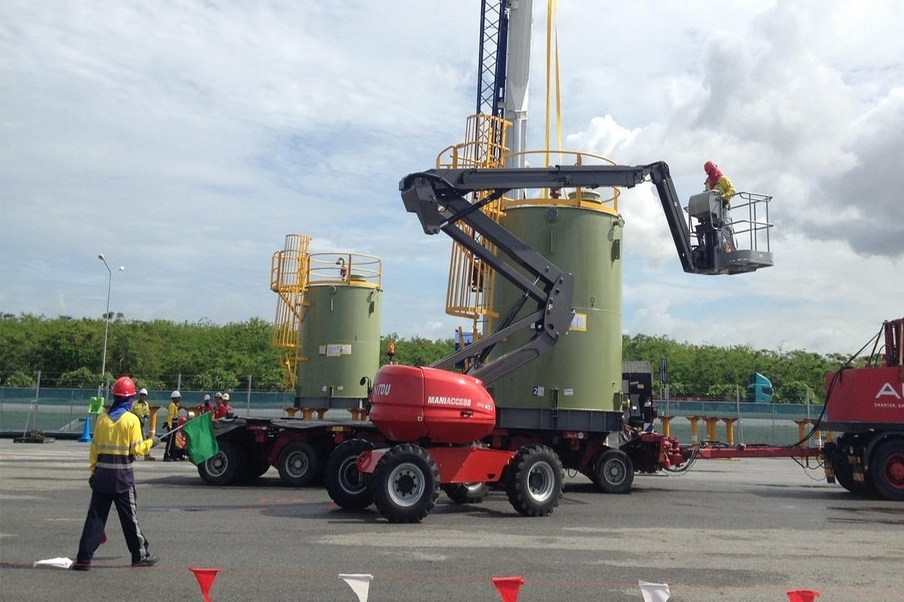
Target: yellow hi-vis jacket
x,y
113,449
140,408
725,188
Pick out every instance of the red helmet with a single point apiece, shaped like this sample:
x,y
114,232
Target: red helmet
x,y
709,166
124,387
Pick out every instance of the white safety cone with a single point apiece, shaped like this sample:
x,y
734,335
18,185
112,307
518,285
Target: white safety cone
x,y
654,592
360,584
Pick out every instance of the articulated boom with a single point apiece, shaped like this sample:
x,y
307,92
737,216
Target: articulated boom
x,y
439,197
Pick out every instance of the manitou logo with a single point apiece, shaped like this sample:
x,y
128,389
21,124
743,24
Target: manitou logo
x,y
382,388
888,390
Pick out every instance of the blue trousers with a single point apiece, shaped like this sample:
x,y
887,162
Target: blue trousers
x,y
126,503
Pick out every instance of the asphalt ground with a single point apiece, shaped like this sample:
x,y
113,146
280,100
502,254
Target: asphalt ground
x,y
726,531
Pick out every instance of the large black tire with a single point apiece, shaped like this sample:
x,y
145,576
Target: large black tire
x,y
844,473
613,471
466,493
343,481
405,484
225,468
534,480
886,469
300,464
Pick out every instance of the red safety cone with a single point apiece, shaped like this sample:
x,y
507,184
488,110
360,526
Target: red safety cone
x,y
508,587
205,579
802,595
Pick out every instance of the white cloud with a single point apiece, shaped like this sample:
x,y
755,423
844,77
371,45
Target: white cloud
x,y
186,139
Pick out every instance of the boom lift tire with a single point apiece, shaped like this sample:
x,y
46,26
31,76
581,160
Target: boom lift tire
x,y
343,481
613,471
405,484
886,469
228,466
299,464
466,493
534,480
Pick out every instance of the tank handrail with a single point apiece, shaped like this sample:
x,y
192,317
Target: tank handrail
x,y
354,269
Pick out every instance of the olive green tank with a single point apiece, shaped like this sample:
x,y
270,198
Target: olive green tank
x,y
340,338
584,369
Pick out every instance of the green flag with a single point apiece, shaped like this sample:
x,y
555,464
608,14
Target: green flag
x,y
201,443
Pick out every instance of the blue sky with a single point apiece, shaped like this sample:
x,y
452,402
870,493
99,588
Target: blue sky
x,y
184,140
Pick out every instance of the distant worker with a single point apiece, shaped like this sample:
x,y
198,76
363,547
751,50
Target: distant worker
x,y
716,180
141,409
206,407
117,440
223,408
171,422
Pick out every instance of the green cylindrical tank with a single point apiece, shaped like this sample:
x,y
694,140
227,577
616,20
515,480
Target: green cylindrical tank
x,y
584,369
340,343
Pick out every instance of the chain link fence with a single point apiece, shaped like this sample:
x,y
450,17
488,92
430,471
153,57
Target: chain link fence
x,y
63,412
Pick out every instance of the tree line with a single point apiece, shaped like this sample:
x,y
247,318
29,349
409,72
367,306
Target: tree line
x,y
200,356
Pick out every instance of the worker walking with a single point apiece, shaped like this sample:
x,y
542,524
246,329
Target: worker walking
x,y
117,440
172,421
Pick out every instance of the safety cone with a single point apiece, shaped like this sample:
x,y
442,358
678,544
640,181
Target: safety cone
x,y
654,592
360,584
86,432
802,595
508,587
205,579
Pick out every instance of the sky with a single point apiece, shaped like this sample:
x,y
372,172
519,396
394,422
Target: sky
x,y
184,141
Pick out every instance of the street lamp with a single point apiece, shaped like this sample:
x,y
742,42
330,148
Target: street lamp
x,y
103,364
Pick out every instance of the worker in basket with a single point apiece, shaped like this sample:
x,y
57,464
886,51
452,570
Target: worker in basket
x,y
716,180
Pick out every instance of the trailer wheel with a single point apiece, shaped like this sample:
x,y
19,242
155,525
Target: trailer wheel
x,y
534,480
228,466
299,464
886,470
405,484
343,481
613,471
466,493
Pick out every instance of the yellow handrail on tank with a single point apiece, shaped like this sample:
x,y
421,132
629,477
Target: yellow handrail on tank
x,y
345,269
582,198
289,280
470,284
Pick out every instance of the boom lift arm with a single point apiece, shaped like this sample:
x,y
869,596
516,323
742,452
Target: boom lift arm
x,y
439,197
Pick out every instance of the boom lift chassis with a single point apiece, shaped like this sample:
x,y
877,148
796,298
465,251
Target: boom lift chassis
x,y
525,453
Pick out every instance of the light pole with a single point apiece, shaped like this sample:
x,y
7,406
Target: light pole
x,y
103,364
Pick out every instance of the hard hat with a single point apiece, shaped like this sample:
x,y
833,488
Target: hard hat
x,y
225,396
709,166
142,391
124,387
218,395
207,398
175,394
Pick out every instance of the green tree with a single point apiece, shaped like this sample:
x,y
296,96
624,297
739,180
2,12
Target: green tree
x,y
19,379
82,378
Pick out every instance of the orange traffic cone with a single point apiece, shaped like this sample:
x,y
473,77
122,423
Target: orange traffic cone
x,y
508,587
802,595
205,579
